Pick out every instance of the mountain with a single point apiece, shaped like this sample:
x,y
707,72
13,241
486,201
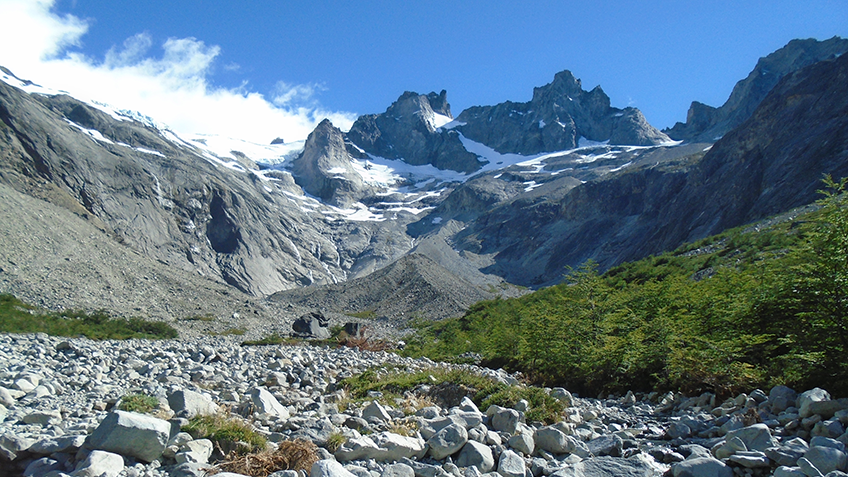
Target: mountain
x,y
410,130
408,208
559,116
172,201
706,123
772,162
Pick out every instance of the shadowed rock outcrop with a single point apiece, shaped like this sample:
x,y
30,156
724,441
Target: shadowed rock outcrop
x,y
408,130
559,114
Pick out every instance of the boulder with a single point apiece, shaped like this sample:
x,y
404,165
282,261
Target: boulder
x,y
701,467
522,442
312,325
757,437
196,451
188,404
131,434
609,444
100,464
511,464
788,453
265,402
506,420
398,470
826,459
328,468
807,398
42,466
376,410
635,466
475,454
553,440
385,446
447,441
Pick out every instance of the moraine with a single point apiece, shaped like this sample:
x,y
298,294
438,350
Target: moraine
x,y
58,397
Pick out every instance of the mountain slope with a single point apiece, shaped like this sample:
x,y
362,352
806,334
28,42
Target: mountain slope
x,y
706,123
171,201
412,287
774,161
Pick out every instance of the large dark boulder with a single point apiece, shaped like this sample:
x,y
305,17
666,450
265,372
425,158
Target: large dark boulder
x,y
312,325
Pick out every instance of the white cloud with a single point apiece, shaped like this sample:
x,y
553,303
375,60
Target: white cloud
x,y
172,88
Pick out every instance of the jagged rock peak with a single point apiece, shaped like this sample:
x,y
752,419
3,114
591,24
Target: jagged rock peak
x,y
324,169
564,83
707,123
408,130
559,114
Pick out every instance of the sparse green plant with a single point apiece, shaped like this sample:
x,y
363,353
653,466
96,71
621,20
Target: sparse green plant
x,y
141,403
227,432
335,441
364,314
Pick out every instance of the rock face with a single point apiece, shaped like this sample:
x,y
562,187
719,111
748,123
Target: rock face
x,y
408,130
558,116
164,199
324,170
706,123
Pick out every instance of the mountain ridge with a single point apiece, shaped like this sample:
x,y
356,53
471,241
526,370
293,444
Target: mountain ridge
x,y
336,211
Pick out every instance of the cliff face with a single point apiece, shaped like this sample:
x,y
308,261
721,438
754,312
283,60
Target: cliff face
x,y
706,123
409,130
163,198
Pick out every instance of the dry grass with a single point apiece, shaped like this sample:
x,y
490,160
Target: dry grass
x,y
290,455
364,341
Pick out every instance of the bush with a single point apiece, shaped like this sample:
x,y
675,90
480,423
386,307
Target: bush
x,y
752,307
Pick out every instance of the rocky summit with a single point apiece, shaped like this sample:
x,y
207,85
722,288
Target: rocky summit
x,y
61,404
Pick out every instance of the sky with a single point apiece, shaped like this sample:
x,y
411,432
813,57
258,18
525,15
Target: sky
x,y
264,69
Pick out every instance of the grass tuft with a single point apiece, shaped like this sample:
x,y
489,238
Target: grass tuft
x,y
141,403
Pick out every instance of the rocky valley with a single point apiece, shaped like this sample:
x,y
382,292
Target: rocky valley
x,y
412,215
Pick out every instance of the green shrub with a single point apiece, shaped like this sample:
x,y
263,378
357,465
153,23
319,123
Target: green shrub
x,y
19,317
771,310
141,403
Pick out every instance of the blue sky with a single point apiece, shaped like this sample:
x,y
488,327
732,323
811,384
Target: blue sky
x,y
310,59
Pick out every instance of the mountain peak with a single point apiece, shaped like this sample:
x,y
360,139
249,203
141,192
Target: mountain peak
x,y
706,123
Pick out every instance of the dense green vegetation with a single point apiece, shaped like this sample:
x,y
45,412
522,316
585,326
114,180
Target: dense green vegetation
x,y
19,317
748,308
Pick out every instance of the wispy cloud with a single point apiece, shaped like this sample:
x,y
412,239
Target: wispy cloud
x,y
173,87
